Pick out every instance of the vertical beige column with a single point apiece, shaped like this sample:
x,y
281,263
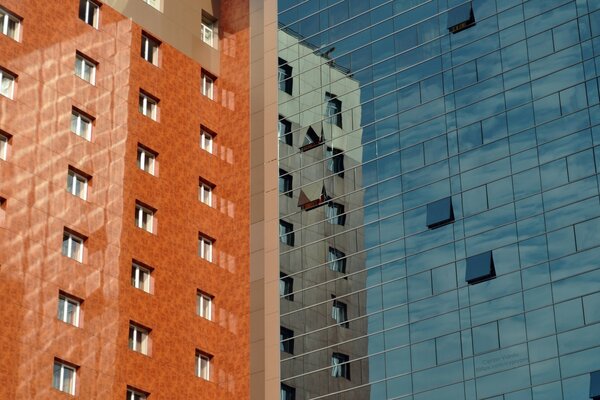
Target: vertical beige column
x,y
264,208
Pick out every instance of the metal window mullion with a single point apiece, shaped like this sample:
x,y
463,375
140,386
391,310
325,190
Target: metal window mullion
x,y
146,52
135,339
62,377
137,277
70,246
5,26
76,315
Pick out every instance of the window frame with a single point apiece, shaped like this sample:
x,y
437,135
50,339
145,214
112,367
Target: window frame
x,y
150,48
336,213
157,6
85,62
148,105
95,8
286,233
7,18
71,238
205,190
209,25
286,286
136,330
335,160
285,81
287,392
141,211
136,394
204,305
63,367
78,118
145,155
340,365
333,109
75,176
203,365
12,79
286,181
205,247
336,260
208,85
339,313
68,300
284,131
207,139
138,270
4,144
286,340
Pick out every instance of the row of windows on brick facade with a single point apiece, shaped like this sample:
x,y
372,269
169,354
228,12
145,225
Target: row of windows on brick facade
x,y
64,376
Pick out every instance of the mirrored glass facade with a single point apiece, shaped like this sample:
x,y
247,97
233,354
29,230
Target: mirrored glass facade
x,y
395,105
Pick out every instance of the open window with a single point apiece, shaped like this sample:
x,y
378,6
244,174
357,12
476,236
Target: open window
x,y
312,196
440,213
461,18
480,268
313,137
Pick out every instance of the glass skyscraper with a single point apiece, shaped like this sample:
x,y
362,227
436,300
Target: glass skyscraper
x,y
439,199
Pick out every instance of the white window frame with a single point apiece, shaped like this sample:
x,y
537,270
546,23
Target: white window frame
x,y
205,248
85,64
141,335
206,141
148,106
204,305
133,394
94,8
74,179
153,3
62,386
208,84
150,49
205,193
203,362
207,28
10,78
69,251
146,160
339,312
144,213
6,19
141,277
3,147
81,125
64,301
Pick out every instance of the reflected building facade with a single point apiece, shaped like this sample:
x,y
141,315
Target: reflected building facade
x,y
467,133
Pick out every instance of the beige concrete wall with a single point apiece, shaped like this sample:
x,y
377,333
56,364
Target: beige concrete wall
x,y
177,23
264,218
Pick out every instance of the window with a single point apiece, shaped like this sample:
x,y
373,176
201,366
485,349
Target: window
x,y
64,377
335,162
149,50
7,84
339,366
206,140
285,183
203,361
77,183
148,106
333,109
89,11
480,268
81,124
153,3
311,139
9,24
337,260
140,277
286,234
335,214
207,85
285,76
286,341
135,394
205,246
85,68
68,309
205,192
286,286
204,305
72,246
144,217
2,210
287,392
439,213
595,385
339,312
461,18
284,131
139,338
208,28
146,159
4,146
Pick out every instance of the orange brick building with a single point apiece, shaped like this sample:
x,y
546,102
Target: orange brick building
x,y
125,199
